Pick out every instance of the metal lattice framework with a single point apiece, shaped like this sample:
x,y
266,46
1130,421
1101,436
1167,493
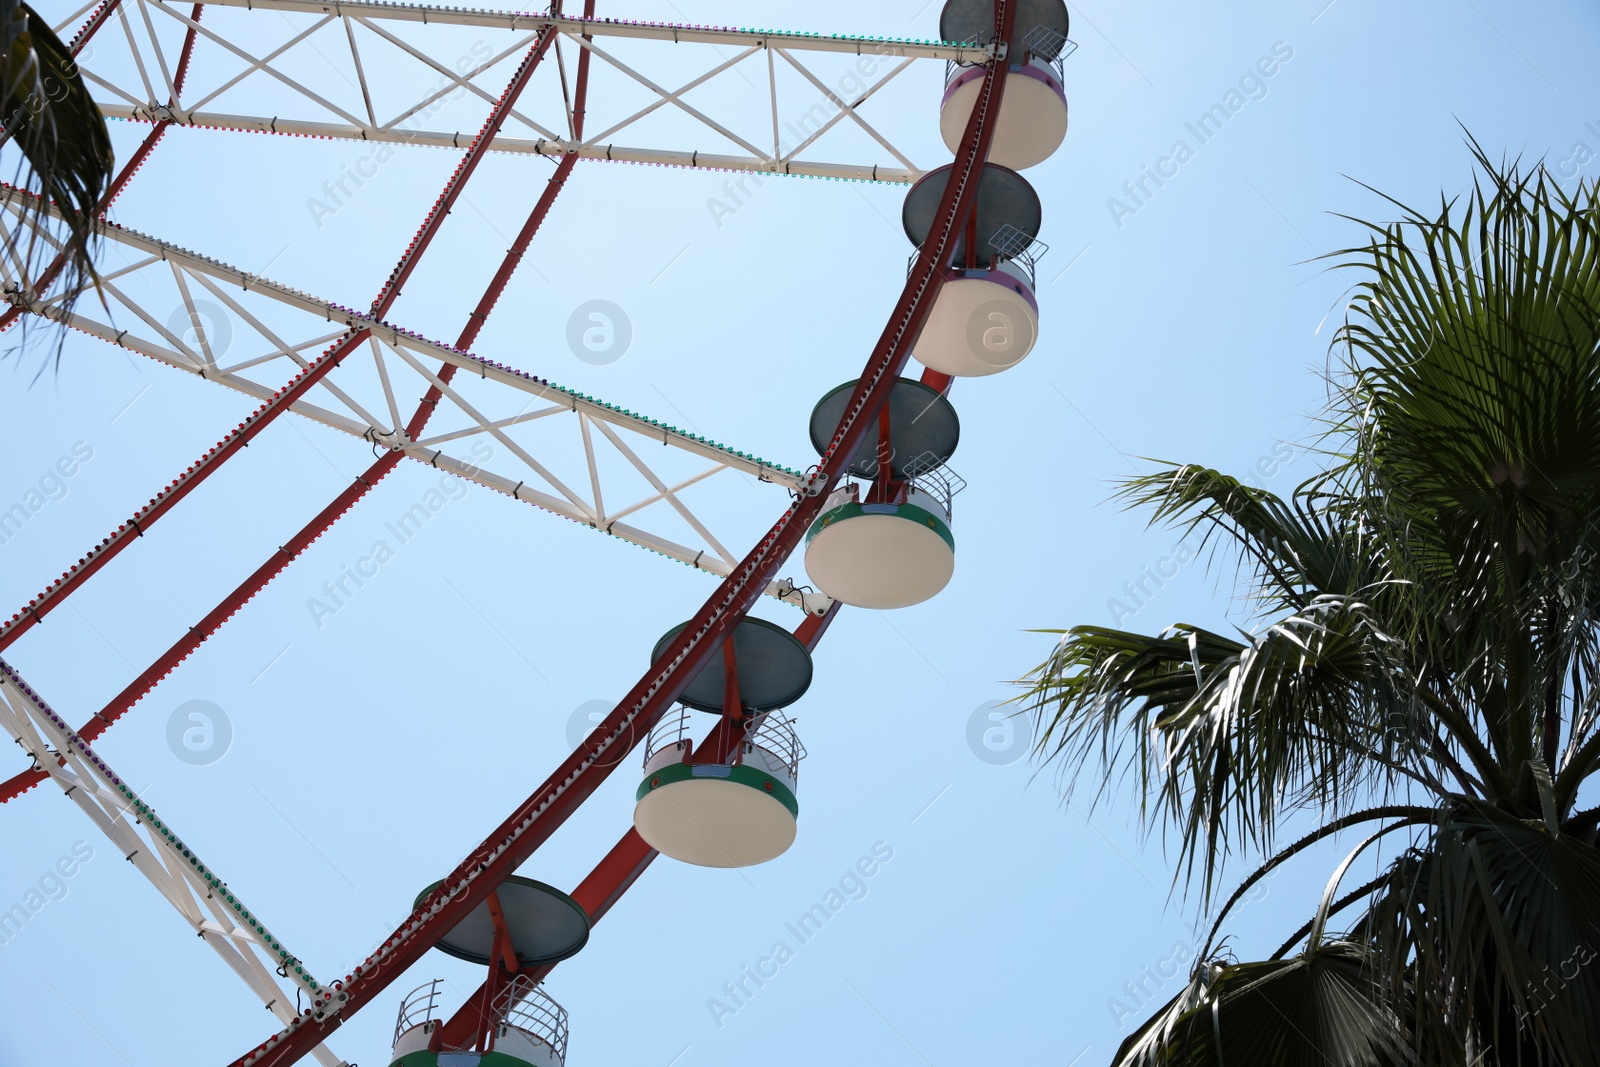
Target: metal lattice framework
x,y
480,419
215,912
505,429
338,98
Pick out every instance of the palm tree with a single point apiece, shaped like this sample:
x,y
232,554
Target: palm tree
x,y
1421,667
65,148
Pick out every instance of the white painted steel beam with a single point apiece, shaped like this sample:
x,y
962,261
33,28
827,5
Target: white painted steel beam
x,y
531,146
846,44
484,428
346,87
212,910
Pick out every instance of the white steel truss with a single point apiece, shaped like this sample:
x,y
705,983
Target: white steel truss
x,y
597,464
233,931
350,70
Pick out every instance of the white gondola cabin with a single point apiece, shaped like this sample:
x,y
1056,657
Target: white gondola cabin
x,y
986,318
1032,121
731,801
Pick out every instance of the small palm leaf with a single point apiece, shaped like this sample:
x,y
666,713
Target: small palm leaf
x,y
1296,548
46,109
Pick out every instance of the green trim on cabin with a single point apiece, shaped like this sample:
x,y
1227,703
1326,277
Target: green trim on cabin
x,y
909,512
743,774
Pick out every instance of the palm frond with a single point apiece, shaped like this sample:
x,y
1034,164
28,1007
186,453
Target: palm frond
x,y
1472,377
1408,815
1309,1011
1294,548
65,152
1222,736
1426,617
1494,927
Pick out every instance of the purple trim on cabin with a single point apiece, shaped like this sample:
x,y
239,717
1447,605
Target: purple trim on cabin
x,y
997,277
1027,70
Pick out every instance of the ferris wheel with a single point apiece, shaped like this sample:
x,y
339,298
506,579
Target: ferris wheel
x,y
871,520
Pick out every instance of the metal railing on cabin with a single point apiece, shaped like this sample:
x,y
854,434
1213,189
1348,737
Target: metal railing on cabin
x,y
1041,42
929,474
1011,245
771,730
525,1005
774,731
1008,245
417,1008
671,729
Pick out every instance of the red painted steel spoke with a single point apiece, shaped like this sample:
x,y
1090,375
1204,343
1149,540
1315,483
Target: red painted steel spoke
x,y
197,635
112,545
108,549
582,772
458,180
628,859
99,17
605,884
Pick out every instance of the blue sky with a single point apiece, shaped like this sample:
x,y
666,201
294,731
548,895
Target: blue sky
x,y
370,752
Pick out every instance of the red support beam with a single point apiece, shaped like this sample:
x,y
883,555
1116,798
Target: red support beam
x,y
185,54
458,180
532,823
503,967
620,869
884,482
596,894
199,471
502,936
721,743
810,632
732,706
111,546
99,17
196,635
627,859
